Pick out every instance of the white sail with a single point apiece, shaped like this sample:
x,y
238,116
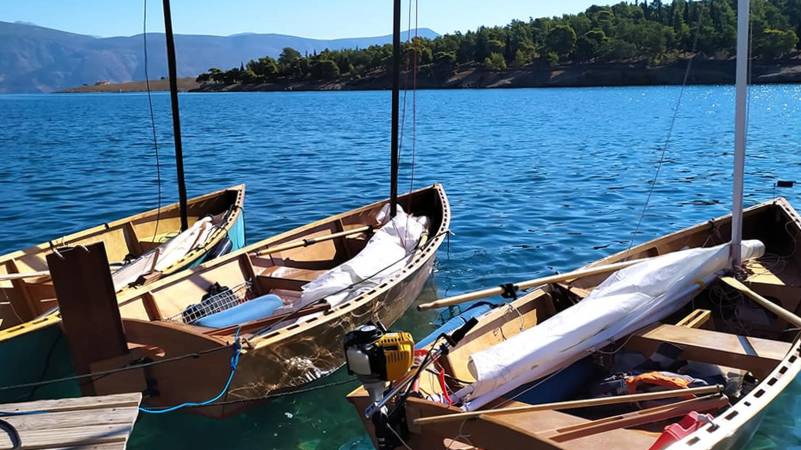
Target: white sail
x,y
628,300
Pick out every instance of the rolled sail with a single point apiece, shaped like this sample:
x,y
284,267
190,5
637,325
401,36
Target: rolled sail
x,y
628,300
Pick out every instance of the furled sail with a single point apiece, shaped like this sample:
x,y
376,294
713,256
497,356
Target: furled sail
x,y
628,300
387,251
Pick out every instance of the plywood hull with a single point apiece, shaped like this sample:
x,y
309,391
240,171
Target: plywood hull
x,y
775,223
26,303
280,353
305,357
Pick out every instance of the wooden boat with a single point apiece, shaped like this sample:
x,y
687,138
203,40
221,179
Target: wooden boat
x,y
281,350
27,298
720,327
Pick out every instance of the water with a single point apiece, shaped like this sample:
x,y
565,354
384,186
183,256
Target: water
x,y
539,180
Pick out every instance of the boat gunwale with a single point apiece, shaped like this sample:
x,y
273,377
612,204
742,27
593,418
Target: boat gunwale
x,y
99,229
52,318
256,342
726,423
421,257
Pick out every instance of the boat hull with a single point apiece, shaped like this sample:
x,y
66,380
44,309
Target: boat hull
x,y
279,353
731,429
41,345
306,357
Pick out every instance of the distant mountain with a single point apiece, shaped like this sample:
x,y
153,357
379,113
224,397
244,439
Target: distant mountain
x,y
38,59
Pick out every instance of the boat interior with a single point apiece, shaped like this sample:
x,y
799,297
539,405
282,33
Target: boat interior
x,y
24,299
719,338
264,282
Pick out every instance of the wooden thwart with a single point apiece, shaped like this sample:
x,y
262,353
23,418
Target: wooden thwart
x,y
86,422
457,299
24,275
310,241
574,404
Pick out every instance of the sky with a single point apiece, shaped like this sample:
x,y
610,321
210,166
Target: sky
x,y
321,19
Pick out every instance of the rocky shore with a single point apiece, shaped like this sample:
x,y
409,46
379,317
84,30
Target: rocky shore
x,y
544,75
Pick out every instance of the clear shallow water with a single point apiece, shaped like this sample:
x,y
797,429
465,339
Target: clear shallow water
x,y
539,180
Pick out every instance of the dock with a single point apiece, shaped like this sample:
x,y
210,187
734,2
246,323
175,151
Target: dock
x,y
97,423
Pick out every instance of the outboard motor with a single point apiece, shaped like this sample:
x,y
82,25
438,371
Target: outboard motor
x,y
377,357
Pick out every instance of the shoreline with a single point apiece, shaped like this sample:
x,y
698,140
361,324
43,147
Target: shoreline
x,y
537,75
475,76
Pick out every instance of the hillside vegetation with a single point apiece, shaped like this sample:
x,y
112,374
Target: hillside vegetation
x,y
654,33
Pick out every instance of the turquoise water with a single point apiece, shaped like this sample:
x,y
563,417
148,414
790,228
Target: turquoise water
x,y
539,180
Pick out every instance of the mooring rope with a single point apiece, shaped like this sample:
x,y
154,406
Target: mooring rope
x,y
223,391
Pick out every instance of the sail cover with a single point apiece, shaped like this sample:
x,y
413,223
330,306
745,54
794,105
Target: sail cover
x,y
628,300
387,251
168,253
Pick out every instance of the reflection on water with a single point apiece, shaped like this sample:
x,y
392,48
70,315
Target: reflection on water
x,y
540,180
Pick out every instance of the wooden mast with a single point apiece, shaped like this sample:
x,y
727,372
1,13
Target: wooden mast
x,y
739,131
176,119
396,64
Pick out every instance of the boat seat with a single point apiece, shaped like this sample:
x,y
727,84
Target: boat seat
x,y
757,355
286,278
548,420
698,318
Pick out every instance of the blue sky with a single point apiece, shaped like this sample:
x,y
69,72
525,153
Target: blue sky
x,y
323,19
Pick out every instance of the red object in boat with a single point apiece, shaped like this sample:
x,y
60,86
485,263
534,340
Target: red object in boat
x,y
677,431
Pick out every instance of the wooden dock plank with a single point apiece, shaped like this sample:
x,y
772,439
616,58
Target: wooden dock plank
x,y
68,437
71,419
71,404
91,423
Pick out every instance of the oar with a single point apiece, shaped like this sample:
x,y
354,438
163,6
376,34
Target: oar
x,y
23,275
659,395
762,301
310,241
484,293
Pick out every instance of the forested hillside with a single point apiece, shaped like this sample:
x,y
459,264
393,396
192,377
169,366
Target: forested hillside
x,y
652,32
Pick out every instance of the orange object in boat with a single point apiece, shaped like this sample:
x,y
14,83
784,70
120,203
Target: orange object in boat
x,y
666,379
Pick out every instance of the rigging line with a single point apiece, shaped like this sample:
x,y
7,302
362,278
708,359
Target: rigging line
x,y
415,53
152,121
666,144
92,376
279,394
405,83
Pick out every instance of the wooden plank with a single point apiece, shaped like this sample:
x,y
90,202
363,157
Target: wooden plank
x,y
72,419
88,304
152,309
99,423
642,417
743,352
132,239
106,446
73,404
69,437
696,319
573,404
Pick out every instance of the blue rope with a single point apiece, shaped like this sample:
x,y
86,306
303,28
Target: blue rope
x,y
234,364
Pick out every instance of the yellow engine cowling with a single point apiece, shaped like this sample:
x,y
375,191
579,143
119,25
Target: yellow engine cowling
x,y
398,349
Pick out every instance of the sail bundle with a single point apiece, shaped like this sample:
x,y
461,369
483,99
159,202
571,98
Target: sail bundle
x,y
628,300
